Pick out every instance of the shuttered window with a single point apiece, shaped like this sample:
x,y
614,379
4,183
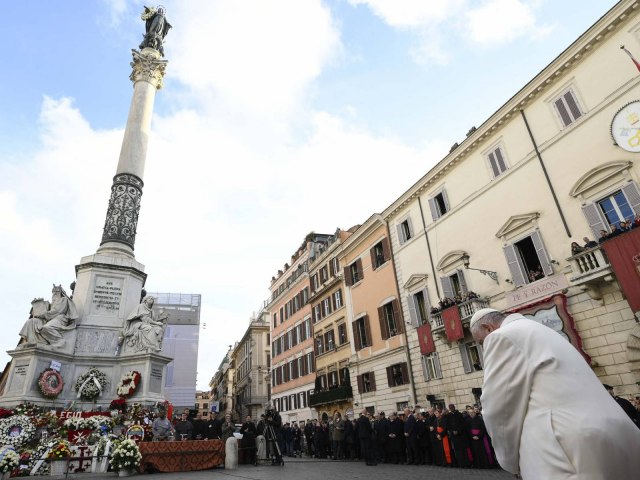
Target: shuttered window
x,y
439,205
398,374
418,304
361,333
431,367
405,230
528,260
472,356
497,162
366,382
568,108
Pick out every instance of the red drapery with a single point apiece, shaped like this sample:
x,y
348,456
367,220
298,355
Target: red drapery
x,y
426,339
623,253
452,323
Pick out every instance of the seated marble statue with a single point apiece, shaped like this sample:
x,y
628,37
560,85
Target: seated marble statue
x,y
143,329
50,323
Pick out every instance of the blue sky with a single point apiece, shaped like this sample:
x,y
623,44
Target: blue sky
x,y
273,118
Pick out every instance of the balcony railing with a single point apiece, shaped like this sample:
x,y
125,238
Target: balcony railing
x,y
337,394
589,265
466,309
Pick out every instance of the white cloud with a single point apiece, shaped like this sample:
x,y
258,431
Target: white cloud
x,y
438,26
500,21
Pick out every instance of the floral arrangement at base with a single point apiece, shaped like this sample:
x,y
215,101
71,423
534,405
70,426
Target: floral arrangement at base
x,y
27,408
91,384
10,461
128,384
5,413
126,456
32,457
60,450
87,423
17,430
119,404
50,383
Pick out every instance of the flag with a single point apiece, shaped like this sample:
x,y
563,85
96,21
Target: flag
x,y
425,338
452,323
635,62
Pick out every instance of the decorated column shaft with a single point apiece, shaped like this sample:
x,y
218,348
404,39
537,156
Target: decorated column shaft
x,y
124,205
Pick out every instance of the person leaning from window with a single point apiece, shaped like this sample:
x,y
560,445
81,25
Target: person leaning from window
x,y
589,243
614,230
636,221
576,249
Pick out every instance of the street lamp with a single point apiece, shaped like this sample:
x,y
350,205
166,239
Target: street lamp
x,y
491,274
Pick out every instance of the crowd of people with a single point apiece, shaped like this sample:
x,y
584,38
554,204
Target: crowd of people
x,y
447,302
619,228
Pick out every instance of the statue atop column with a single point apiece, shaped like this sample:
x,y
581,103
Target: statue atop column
x,y
50,324
157,28
143,329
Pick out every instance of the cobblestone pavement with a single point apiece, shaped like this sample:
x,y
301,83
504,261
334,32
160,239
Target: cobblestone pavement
x,y
307,469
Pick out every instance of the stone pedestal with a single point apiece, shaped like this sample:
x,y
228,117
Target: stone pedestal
x,y
28,364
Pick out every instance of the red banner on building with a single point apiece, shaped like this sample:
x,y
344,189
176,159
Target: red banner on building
x,y
452,323
623,253
426,339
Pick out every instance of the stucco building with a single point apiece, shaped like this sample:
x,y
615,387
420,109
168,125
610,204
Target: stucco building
x,y
331,336
379,367
252,359
507,202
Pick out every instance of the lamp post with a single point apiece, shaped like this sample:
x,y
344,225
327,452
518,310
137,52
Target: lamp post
x,y
491,274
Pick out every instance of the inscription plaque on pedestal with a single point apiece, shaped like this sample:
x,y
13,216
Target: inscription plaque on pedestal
x,y
155,380
19,376
97,341
106,296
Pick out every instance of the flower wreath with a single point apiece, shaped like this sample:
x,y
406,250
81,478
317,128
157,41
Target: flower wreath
x,y
17,430
50,383
128,383
91,384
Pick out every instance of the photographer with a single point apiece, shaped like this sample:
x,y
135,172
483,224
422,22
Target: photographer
x,y
273,435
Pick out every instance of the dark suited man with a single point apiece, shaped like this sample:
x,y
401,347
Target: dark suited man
x,y
365,434
213,427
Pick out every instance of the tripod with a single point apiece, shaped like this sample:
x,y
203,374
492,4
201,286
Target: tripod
x,y
273,451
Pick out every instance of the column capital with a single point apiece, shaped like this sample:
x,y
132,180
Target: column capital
x,y
148,67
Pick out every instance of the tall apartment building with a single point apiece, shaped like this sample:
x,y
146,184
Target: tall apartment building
x,y
252,359
379,367
180,342
203,404
293,365
222,386
332,389
556,163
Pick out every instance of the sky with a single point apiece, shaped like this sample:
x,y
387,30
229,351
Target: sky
x,y
276,119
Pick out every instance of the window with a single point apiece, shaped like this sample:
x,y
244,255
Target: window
x,y
333,379
353,273
342,334
497,162
361,333
305,295
319,345
420,300
326,306
310,363
366,382
300,367
337,299
377,256
316,313
329,341
568,108
397,375
324,274
405,230
390,320
454,285
275,320
431,367
400,406
307,328
619,205
616,208
281,315
439,205
528,260
471,354
344,376
316,282
335,266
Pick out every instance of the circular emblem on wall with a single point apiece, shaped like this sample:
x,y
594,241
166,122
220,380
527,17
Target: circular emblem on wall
x,y
50,383
625,127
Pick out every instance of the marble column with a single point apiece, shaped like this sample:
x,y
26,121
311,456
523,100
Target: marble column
x,y
120,225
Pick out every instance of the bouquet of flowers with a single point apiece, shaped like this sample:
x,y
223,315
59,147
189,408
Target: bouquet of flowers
x,y
126,456
128,383
91,384
27,408
10,461
88,423
60,450
118,404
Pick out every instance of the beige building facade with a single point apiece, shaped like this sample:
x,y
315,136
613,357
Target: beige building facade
x,y
332,390
222,386
252,359
380,371
508,201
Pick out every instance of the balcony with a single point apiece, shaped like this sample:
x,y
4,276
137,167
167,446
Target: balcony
x,y
590,270
466,309
337,394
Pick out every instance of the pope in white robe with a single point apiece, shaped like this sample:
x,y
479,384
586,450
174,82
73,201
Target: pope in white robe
x,y
547,413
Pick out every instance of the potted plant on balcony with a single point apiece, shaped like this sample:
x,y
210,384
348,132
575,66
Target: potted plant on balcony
x,y
126,458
